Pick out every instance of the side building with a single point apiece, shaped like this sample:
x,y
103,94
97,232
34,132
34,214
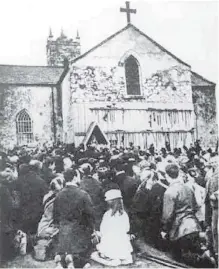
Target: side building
x,y
30,104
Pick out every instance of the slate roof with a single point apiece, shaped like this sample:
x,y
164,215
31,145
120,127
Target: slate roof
x,y
31,75
198,80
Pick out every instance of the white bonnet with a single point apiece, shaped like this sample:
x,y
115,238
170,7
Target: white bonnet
x,y
113,194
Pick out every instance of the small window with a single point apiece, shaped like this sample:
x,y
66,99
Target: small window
x,y
132,76
24,128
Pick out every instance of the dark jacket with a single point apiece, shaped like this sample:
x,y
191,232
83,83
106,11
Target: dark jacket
x,y
95,190
7,223
32,189
179,208
128,186
6,207
73,211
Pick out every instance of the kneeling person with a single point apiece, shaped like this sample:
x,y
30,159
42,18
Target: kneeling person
x,y
179,219
46,229
115,246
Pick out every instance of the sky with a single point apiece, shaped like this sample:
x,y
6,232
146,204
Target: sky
x,y
189,29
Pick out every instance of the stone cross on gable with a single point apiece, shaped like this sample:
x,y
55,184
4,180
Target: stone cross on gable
x,y
128,11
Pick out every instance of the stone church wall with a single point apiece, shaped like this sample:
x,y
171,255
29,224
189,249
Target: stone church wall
x,y
100,75
37,102
95,83
99,78
206,111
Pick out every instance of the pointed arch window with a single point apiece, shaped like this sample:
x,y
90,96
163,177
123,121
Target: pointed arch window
x,y
24,128
132,76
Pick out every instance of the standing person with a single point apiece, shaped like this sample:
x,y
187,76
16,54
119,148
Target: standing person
x,y
179,220
115,246
73,211
211,207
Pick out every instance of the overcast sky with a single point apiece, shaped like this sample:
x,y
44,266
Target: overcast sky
x,y
188,29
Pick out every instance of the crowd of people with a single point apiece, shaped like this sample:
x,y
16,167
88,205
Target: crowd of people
x,y
71,204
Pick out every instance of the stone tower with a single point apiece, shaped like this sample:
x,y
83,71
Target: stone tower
x,y
62,48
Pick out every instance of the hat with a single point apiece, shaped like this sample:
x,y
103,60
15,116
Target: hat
x,y
92,160
102,169
113,194
192,172
131,160
14,159
86,168
82,160
36,164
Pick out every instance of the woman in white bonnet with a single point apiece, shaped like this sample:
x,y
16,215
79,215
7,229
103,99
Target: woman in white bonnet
x,y
115,245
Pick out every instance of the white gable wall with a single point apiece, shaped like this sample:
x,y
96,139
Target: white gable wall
x,y
151,57
98,79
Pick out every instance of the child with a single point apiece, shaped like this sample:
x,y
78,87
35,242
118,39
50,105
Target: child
x,y
115,246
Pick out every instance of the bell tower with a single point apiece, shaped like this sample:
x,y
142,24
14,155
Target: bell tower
x,y
62,48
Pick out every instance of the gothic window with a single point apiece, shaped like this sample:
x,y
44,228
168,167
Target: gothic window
x,y
132,76
24,128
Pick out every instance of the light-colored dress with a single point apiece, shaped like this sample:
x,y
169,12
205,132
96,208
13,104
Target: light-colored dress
x,y
115,241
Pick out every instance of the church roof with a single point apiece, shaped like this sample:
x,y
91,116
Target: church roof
x,y
31,75
198,80
122,30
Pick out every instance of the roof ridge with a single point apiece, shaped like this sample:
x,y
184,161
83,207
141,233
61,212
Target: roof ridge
x,y
17,65
101,43
161,47
120,31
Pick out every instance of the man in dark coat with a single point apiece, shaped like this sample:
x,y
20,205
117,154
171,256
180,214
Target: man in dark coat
x,y
147,206
128,185
32,189
179,220
94,188
73,211
7,231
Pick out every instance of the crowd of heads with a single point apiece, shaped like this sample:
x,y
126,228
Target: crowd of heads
x,y
104,162
62,164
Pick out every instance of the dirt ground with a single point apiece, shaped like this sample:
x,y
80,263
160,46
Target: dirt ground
x,y
27,261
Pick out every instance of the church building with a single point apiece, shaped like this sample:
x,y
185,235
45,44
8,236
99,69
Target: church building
x,y
132,87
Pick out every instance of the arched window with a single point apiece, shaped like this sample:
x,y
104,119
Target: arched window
x,y
132,76
24,128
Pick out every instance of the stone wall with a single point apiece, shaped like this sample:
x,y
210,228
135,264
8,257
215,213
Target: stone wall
x,y
38,103
206,112
97,83
100,74
91,83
